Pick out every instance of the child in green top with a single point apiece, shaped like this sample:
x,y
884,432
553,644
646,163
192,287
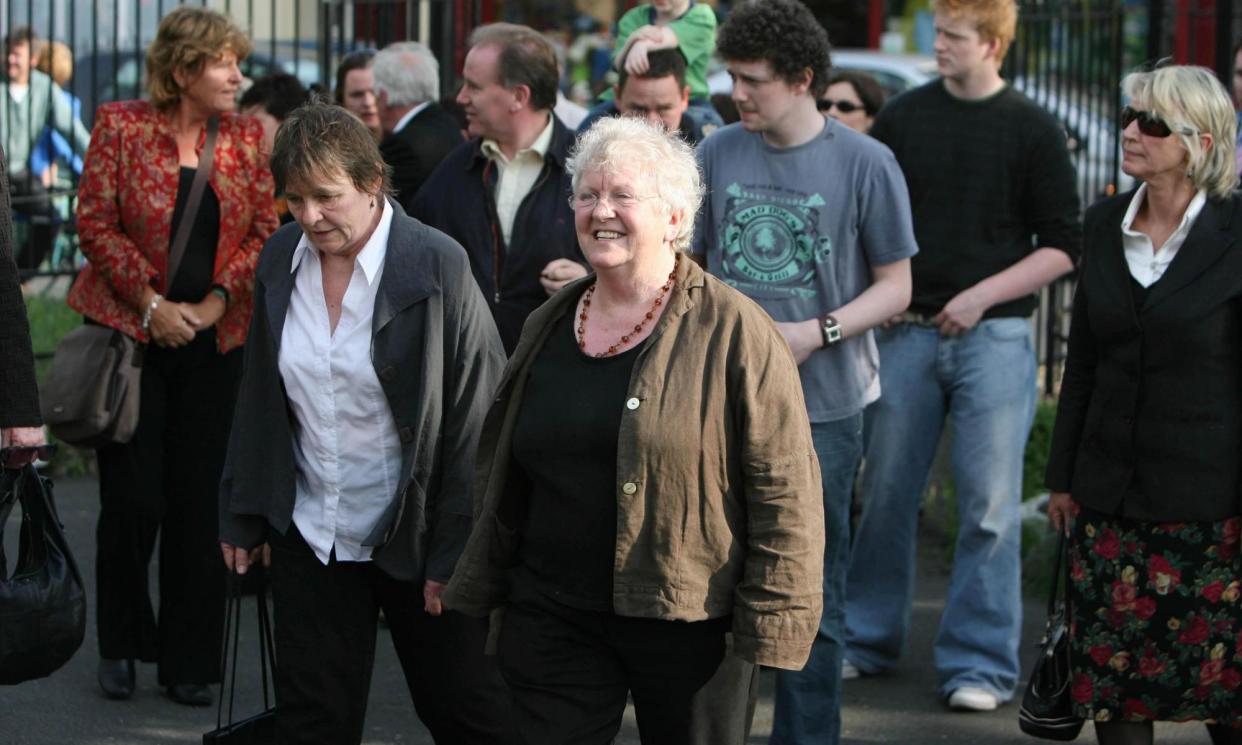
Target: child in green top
x,y
684,25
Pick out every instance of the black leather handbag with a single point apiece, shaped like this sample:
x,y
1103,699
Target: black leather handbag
x,y
43,605
259,729
1047,711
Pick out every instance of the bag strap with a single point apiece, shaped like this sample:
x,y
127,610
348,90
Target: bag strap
x,y
232,636
177,250
1060,574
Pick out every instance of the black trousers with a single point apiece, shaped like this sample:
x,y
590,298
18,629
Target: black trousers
x,y
326,619
164,482
570,670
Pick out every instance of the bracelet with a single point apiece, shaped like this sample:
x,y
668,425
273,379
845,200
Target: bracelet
x,y
221,293
146,316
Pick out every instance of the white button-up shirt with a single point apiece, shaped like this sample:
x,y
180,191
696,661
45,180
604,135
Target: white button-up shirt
x,y
1148,264
346,448
516,177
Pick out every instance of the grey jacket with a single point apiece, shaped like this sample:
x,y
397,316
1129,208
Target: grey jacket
x,y
438,357
719,504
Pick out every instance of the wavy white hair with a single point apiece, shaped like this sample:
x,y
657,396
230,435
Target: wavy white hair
x,y
664,162
408,72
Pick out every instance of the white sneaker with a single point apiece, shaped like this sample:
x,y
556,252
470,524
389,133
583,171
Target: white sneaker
x,y
972,699
848,671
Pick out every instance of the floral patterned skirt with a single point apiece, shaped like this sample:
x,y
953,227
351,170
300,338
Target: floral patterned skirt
x,y
1157,619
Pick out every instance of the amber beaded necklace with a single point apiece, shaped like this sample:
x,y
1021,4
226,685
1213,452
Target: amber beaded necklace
x,y
625,338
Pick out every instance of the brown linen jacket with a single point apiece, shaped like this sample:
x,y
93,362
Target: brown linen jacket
x,y
719,504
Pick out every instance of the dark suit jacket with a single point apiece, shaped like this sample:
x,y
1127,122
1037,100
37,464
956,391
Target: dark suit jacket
x,y
1149,423
438,358
416,149
19,398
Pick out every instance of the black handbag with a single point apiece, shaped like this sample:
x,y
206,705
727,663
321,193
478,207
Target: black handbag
x,y
1047,711
43,605
259,729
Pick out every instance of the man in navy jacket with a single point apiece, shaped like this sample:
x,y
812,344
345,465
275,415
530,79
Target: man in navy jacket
x,y
504,195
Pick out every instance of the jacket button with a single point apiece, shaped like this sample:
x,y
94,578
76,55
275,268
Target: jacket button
x,y
406,434
629,487
388,374
632,404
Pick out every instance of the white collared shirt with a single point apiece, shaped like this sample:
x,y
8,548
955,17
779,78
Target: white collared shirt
x,y
1148,264
515,178
346,448
410,115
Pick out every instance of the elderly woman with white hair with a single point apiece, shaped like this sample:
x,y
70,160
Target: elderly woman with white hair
x,y
1145,467
646,483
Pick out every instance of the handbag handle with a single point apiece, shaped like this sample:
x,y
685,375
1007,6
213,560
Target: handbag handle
x,y
232,632
1061,562
177,250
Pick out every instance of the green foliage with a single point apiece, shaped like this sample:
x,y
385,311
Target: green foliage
x,y
50,320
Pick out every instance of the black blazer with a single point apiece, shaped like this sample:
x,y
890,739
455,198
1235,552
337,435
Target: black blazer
x,y
1149,423
438,357
19,397
415,150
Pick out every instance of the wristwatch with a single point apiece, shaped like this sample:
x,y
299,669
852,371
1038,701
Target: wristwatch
x,y
831,330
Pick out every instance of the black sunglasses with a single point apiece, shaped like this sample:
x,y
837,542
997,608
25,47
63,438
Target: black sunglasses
x,y
845,107
1148,123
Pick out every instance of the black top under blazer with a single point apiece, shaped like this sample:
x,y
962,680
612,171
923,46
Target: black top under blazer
x,y
438,358
1149,422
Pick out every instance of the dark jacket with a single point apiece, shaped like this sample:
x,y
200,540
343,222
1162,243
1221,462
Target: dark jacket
x,y
719,505
19,398
416,149
438,358
459,200
1149,423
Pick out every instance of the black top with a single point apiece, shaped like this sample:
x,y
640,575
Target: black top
x,y
565,443
198,264
1149,420
985,177
19,396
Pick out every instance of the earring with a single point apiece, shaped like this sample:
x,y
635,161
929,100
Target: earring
x,y
372,202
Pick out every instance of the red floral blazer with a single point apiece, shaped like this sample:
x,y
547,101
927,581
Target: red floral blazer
x,y
125,206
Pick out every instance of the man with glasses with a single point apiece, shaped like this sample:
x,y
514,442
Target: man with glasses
x,y
996,215
812,220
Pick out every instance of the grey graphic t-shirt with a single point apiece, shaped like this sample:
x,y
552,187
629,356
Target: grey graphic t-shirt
x,y
798,229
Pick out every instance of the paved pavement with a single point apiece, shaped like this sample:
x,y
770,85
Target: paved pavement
x,y
898,708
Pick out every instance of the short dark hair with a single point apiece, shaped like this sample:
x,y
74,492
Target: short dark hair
x,y
868,90
20,35
526,58
319,139
278,94
358,60
660,64
784,33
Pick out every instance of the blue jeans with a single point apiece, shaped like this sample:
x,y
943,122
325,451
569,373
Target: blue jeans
x,y
808,702
984,381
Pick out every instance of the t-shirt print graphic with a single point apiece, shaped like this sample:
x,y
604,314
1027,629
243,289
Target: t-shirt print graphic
x,y
771,241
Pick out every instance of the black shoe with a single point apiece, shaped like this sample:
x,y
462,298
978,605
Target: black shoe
x,y
116,678
190,694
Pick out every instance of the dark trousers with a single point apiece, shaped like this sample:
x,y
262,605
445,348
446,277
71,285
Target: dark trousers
x,y
570,670
164,483
325,650
32,200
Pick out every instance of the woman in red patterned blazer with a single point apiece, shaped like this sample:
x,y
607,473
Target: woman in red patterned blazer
x,y
135,183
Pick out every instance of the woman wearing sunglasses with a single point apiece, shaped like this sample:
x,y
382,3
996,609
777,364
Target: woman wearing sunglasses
x,y
852,98
1144,466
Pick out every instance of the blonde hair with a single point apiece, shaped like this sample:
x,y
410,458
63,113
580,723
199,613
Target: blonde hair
x,y
663,161
1192,101
994,19
188,38
55,59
